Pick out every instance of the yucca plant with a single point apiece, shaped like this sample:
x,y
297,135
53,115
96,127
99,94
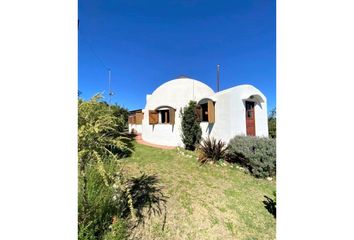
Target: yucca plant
x,y
211,150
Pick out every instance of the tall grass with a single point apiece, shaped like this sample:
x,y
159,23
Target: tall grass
x,y
102,208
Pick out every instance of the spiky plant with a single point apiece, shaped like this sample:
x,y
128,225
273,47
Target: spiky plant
x,y
211,150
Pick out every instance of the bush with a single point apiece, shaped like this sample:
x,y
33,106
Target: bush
x,y
191,131
272,124
99,143
211,150
121,114
258,155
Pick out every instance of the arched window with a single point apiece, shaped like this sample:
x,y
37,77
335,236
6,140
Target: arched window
x,y
162,115
205,110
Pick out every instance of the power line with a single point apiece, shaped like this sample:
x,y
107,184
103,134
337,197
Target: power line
x,y
93,51
110,93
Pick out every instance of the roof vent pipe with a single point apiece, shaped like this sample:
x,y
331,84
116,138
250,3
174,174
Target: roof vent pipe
x,y
218,78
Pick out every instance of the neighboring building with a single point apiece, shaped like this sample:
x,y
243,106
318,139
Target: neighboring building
x,y
135,121
240,110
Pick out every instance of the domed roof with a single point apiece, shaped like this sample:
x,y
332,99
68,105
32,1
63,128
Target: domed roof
x,y
244,91
178,92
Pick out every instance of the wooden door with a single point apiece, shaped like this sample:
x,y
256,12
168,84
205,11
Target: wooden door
x,y
250,119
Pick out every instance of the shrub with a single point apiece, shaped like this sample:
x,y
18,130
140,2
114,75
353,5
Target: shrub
x,y
191,131
98,144
121,114
272,124
211,150
258,155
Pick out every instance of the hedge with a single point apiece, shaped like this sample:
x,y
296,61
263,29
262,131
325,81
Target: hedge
x,y
257,154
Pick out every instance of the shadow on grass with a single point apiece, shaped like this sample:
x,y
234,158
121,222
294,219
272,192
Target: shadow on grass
x,y
148,198
270,205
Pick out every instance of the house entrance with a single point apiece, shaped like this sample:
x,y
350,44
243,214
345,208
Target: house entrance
x,y
250,119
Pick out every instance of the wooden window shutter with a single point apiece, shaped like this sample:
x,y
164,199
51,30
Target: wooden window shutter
x,y
139,118
211,112
198,113
153,117
172,115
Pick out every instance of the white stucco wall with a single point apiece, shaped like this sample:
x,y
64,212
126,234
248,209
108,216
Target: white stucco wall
x,y
137,127
175,93
230,112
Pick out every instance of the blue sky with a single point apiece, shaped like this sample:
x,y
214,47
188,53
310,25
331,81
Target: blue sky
x,y
146,43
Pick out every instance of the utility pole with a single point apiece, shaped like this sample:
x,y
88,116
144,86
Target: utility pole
x,y
109,86
218,78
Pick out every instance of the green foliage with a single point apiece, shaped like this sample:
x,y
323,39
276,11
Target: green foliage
x,y
118,230
121,114
98,131
272,124
256,154
100,207
100,144
211,150
107,199
191,131
86,232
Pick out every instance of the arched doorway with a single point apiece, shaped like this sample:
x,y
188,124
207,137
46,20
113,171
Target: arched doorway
x,y
250,119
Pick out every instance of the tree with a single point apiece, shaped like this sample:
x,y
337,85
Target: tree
x,y
121,114
191,131
272,123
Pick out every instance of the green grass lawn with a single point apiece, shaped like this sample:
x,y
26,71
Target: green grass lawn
x,y
203,202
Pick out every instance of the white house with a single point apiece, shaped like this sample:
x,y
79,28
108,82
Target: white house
x,y
240,110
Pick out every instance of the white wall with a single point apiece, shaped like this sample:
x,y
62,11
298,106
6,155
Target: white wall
x,y
221,128
176,93
230,111
137,127
261,120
